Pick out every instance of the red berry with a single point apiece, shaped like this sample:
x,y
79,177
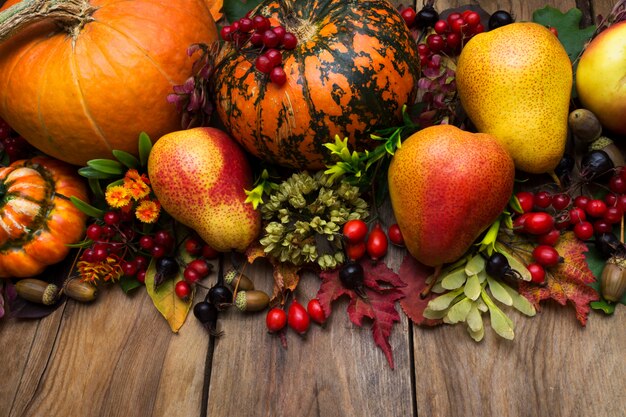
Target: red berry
x,y
278,76
538,223
562,222
395,235
280,33
201,266
226,33
158,251
408,15
518,223
141,262
581,201
537,273
452,17
554,31
276,319
99,253
542,199
94,232
191,275
261,23
596,208
146,242
602,226
561,201
526,200
377,243
263,64
453,40
209,253
256,39
435,43
108,231
458,25
275,57
546,256
620,202
423,49
617,184
441,27
128,268
355,251
164,238
612,200
270,39
246,24
297,318
472,19
613,215
141,276
551,238
183,290
111,218
193,246
583,230
355,230
315,311
577,215
289,41
479,28
88,255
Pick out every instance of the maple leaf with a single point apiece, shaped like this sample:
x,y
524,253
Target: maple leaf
x,y
569,281
414,274
382,289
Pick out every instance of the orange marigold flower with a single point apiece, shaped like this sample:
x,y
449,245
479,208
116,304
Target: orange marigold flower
x,y
107,270
117,196
148,211
135,184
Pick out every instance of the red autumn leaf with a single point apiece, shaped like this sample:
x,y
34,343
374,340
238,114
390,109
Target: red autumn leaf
x,y
568,281
382,288
414,274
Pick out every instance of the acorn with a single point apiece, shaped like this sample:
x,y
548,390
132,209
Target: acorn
x,y
79,290
238,280
37,291
613,279
253,300
603,157
584,125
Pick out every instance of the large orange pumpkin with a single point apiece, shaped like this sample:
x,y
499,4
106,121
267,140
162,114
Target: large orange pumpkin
x,y
37,218
79,90
354,67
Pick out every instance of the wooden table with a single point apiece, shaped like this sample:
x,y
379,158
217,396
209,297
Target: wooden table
x,y
117,357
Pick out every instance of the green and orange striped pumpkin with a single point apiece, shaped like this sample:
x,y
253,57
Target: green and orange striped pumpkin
x,y
353,69
37,218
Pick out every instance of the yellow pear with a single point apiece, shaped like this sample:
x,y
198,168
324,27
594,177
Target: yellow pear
x,y
514,82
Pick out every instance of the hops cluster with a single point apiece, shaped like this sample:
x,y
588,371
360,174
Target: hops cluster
x,y
303,219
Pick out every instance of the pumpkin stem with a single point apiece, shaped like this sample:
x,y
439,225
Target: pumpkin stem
x,y
70,15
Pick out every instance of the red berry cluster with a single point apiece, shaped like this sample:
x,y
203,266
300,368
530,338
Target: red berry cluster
x,y
454,32
258,32
196,269
297,317
375,244
14,146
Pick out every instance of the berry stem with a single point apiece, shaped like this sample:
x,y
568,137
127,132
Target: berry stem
x,y
71,15
430,286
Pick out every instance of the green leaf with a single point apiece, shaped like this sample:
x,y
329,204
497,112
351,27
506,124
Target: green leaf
x,y
80,245
500,323
89,172
128,159
96,188
434,314
127,284
236,9
475,265
478,335
474,319
165,299
458,312
568,25
514,262
145,146
520,303
443,301
87,208
454,279
107,166
498,292
604,306
473,287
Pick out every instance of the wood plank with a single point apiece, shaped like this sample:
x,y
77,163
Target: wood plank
x,y
333,371
553,367
116,357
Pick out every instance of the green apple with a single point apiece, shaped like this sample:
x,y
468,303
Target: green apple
x,y
601,77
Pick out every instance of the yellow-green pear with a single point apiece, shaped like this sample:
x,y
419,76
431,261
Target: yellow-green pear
x,y
515,82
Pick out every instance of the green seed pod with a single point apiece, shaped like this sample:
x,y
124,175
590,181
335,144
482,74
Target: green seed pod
x,y
37,291
79,290
613,279
253,300
238,280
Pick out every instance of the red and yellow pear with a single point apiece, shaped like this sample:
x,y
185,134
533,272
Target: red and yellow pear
x,y
447,186
199,176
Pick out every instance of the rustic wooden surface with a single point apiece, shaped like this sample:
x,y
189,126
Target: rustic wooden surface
x,y
117,357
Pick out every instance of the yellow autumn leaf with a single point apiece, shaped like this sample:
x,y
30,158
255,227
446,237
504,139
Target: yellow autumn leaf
x,y
165,299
